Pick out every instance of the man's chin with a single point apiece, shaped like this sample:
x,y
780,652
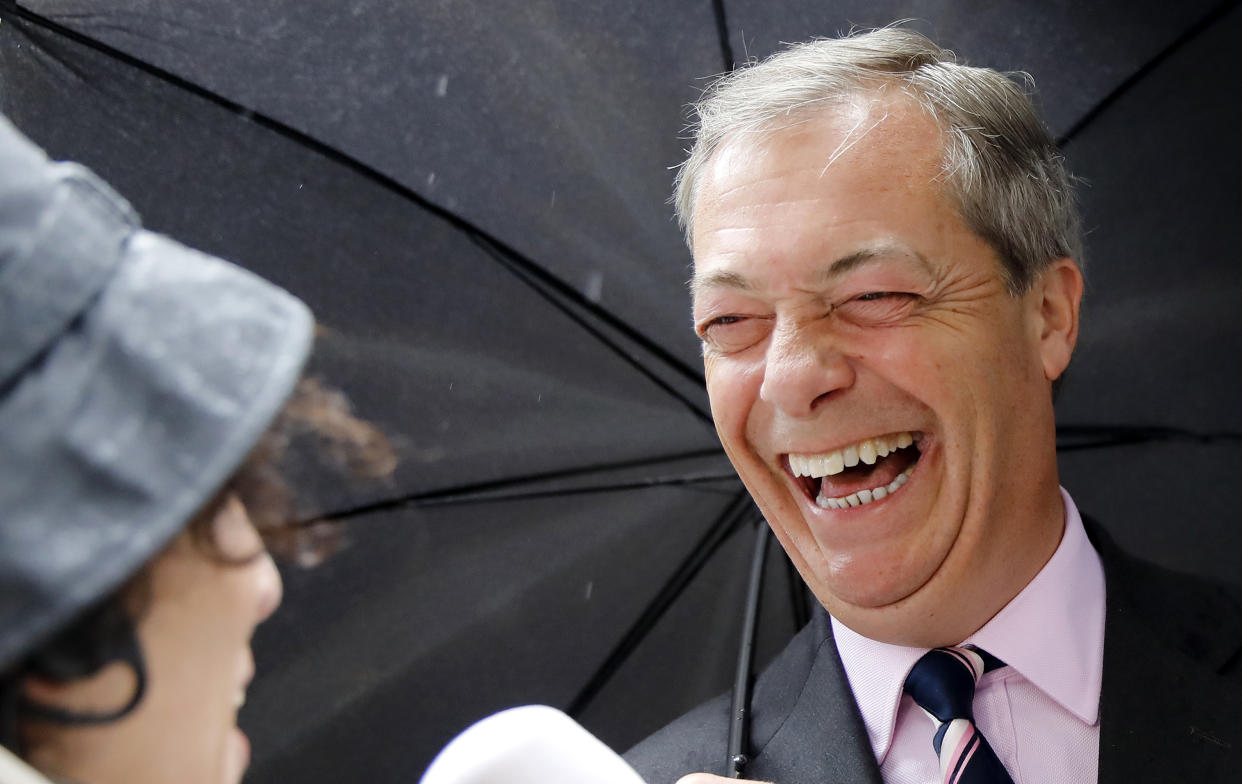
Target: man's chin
x,y
889,623
858,595
878,601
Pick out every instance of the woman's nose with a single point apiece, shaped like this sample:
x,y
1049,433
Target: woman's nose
x,y
268,587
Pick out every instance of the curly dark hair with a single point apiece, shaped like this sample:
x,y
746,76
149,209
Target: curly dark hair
x,y
106,632
339,440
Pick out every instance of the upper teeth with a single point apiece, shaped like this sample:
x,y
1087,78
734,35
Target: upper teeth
x,y
868,451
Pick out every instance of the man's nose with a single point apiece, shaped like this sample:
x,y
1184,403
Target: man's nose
x,y
803,367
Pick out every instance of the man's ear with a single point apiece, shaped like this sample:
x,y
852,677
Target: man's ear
x,y
1058,293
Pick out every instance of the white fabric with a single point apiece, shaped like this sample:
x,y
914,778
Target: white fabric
x,y
14,771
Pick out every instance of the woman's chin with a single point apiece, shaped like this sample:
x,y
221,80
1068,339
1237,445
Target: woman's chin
x,y
237,757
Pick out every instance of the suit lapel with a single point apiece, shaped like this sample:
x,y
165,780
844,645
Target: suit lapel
x,y
1165,712
821,739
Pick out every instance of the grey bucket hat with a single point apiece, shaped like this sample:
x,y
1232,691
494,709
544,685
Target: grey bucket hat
x,y
135,376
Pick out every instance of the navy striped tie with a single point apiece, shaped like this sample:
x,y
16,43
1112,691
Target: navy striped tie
x,y
942,683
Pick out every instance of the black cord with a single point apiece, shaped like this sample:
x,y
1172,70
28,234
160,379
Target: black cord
x,y
739,719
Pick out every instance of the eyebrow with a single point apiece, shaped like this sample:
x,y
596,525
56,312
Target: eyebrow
x,y
734,280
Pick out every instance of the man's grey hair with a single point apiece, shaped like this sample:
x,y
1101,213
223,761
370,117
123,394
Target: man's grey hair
x,y
1000,165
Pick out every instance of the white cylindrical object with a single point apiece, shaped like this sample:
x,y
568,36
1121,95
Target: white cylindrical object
x,y
533,744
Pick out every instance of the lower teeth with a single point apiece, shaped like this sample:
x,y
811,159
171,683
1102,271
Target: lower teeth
x,y
863,497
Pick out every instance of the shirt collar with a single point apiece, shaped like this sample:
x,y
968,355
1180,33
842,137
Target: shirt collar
x,y
1052,633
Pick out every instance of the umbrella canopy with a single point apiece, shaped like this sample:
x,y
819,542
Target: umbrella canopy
x,y
471,196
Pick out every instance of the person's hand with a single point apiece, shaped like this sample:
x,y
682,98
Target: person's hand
x,y
708,778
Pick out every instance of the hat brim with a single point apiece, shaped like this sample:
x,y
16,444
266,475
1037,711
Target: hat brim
x,y
114,437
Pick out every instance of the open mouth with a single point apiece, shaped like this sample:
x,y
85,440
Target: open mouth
x,y
860,473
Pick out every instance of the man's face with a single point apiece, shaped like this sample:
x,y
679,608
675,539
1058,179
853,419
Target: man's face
x,y
847,312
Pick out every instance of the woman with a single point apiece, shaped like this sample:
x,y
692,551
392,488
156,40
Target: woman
x,y
146,394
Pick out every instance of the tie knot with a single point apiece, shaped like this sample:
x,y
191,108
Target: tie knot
x,y
943,682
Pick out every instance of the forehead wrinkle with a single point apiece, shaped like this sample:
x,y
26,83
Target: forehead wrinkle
x,y
753,156
750,217
758,182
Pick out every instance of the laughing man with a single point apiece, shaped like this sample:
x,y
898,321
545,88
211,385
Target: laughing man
x,y
886,290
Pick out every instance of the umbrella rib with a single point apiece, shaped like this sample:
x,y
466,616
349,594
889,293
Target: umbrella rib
x,y
690,480
734,514
722,32
1213,16
442,494
482,497
523,275
338,156
1103,436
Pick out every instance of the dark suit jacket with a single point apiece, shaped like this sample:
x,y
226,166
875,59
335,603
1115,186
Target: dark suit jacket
x,y
1170,705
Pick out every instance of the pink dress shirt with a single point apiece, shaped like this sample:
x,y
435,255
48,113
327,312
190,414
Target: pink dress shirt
x,y
1041,713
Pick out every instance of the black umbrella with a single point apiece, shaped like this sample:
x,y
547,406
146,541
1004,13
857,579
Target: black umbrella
x,y
562,482
472,200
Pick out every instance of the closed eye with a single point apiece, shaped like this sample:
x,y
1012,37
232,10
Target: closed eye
x,y
872,296
877,308
730,333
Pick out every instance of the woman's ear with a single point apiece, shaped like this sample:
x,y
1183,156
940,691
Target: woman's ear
x,y
105,692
